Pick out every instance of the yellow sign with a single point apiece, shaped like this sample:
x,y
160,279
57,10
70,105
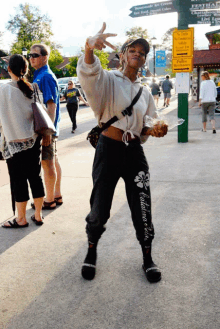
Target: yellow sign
x,y
183,64
183,43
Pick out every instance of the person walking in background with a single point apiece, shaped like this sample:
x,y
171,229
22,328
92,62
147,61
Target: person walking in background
x,y
155,91
119,152
47,83
20,145
166,87
207,99
71,95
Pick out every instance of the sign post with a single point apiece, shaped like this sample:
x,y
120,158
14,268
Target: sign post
x,y
189,12
183,106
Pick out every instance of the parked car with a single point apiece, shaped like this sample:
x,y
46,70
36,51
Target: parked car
x,y
63,85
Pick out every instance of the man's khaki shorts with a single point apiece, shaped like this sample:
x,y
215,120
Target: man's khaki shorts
x,y
49,152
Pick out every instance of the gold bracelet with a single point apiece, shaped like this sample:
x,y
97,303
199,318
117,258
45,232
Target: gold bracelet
x,y
87,44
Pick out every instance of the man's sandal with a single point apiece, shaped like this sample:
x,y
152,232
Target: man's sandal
x,y
14,224
46,205
58,203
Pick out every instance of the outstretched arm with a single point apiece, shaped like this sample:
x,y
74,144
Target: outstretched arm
x,y
97,42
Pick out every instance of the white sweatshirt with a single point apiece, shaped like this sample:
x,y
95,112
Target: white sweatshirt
x,y
208,92
16,120
109,93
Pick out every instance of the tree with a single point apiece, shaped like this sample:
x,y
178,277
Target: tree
x,y
138,32
2,53
167,39
1,41
29,25
71,67
102,55
55,59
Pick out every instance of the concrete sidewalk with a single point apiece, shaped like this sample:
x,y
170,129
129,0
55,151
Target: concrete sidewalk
x,y
41,286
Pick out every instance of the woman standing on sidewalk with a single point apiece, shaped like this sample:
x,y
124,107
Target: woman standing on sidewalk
x,y
71,95
19,144
207,99
119,152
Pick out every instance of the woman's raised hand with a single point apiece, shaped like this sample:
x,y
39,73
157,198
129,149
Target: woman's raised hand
x,y
99,40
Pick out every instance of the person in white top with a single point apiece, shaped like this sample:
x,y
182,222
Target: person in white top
x,y
119,152
207,99
19,144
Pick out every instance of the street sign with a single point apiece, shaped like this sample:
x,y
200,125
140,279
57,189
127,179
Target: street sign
x,y
160,58
205,6
183,41
152,9
201,1
184,64
143,72
204,17
182,83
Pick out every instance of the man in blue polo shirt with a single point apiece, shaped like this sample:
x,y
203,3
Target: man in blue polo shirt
x,y
47,83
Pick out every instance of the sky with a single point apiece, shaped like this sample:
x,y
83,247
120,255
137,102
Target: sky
x,y
74,21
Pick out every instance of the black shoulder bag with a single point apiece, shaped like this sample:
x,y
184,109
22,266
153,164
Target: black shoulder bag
x,y
93,135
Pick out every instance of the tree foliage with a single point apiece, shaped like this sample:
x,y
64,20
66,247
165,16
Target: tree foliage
x,y
1,35
71,67
167,39
55,59
2,53
103,57
29,25
138,32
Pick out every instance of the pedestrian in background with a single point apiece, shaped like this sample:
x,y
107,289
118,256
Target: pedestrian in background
x,y
119,152
71,95
155,91
207,99
20,145
47,83
166,87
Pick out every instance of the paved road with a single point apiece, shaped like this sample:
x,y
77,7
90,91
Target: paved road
x,y
41,286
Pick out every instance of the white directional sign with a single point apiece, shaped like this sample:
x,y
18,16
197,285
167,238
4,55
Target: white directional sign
x,y
205,6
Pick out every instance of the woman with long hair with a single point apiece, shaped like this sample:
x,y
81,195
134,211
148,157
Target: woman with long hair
x,y
20,145
119,152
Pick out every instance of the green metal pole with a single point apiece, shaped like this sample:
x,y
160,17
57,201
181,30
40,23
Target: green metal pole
x,y
182,98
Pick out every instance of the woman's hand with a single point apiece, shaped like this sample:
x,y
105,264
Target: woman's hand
x,y
99,40
46,140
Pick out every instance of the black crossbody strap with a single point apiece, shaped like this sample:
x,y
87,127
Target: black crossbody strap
x,y
127,111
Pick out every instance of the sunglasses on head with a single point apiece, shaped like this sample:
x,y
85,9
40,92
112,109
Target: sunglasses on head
x,y
34,55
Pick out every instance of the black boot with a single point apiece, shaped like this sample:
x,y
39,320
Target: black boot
x,y
151,270
89,265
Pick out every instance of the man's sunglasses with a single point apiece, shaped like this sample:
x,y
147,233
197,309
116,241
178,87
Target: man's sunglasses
x,y
34,55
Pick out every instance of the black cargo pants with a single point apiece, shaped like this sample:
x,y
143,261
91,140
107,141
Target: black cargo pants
x,y
114,159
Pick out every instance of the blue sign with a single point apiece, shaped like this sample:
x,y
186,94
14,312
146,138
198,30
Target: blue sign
x,y
143,72
160,58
